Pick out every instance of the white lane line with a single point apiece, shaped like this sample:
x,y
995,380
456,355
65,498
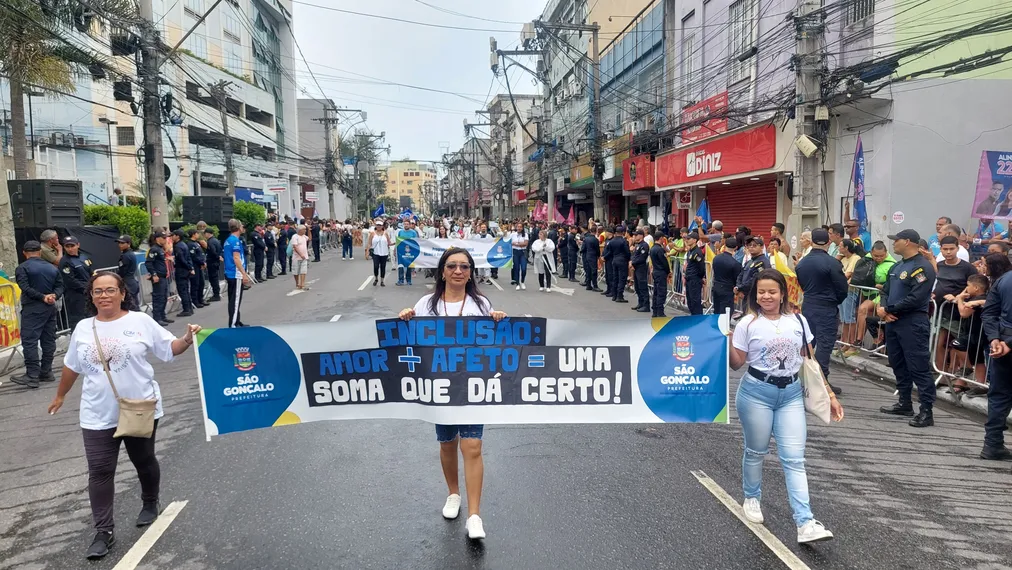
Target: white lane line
x,y
429,285
311,281
562,290
295,292
365,283
496,285
335,318
785,555
136,553
528,316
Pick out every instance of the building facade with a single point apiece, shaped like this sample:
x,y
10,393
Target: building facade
x,y
412,184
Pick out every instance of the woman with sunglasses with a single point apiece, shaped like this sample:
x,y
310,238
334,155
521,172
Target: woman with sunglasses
x,y
126,338
378,248
456,294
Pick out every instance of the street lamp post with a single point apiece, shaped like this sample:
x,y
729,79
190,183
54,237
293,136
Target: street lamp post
x,y
112,165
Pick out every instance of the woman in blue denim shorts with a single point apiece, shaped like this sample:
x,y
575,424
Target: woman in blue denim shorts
x,y
770,339
456,295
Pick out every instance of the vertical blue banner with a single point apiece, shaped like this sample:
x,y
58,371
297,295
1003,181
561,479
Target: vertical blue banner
x,y
860,209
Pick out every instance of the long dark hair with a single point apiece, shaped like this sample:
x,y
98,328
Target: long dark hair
x,y
470,289
125,304
998,264
854,247
752,300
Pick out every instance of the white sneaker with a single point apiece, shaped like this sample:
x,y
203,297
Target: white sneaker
x,y
752,510
452,507
352,258
518,287
541,288
475,530
813,531
524,287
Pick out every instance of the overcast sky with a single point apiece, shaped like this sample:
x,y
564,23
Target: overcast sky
x,y
339,45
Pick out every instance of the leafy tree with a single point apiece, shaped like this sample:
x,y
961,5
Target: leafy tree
x,y
249,214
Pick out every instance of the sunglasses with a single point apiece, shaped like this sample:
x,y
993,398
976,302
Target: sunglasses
x,y
463,267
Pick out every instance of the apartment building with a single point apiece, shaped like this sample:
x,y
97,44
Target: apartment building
x,y
412,184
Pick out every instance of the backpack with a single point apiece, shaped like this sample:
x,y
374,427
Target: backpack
x,y
864,273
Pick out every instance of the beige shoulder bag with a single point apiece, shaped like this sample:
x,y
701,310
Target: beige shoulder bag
x,y
136,417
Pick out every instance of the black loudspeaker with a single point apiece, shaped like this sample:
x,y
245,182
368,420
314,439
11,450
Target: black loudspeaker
x,y
211,209
46,203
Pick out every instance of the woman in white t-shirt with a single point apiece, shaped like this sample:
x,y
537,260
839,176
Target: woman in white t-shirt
x,y
771,340
518,239
378,248
544,260
456,294
127,337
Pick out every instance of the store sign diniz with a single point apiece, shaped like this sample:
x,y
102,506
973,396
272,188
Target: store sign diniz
x,y
745,151
715,106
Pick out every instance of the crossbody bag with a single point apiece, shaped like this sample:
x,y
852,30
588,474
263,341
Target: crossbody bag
x,y
136,417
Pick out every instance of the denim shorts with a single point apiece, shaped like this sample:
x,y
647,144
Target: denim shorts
x,y
446,434
848,308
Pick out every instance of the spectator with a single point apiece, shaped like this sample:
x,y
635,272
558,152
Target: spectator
x,y
777,231
805,246
851,252
835,239
967,350
866,319
954,231
933,242
51,249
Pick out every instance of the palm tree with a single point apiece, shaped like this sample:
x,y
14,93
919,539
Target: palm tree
x,y
36,50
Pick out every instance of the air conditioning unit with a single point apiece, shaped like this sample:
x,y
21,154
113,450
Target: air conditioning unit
x,y
79,141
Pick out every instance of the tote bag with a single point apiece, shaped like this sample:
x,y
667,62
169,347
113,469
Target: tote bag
x,y
813,383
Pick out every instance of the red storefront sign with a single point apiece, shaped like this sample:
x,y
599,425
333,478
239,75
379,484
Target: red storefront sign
x,y
714,106
638,173
747,151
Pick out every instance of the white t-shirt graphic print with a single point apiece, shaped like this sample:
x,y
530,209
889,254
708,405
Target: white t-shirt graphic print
x,y
777,354
126,343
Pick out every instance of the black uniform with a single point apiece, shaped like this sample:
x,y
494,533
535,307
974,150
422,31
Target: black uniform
x,y
127,269
640,269
259,247
183,265
617,252
315,232
907,293
214,261
662,269
283,251
695,274
76,272
590,250
199,260
38,278
725,276
554,236
996,321
572,252
825,286
272,250
749,272
154,262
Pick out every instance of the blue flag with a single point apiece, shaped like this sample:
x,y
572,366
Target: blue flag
x,y
406,214
860,209
703,211
379,211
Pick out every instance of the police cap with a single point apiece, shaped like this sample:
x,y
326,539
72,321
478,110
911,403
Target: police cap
x,y
911,235
32,245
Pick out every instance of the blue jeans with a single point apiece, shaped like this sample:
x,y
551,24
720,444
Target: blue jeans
x,y
765,410
519,273
401,272
346,249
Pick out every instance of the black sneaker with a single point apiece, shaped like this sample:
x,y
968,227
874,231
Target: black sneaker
x,y
169,320
996,453
271,277
100,546
621,300
149,512
185,314
47,377
898,409
643,310
923,419
214,299
25,380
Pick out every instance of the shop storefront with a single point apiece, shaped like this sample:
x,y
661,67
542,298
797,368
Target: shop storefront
x,y
615,153
735,173
637,186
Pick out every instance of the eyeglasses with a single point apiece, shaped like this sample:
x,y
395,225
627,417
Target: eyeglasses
x,y
463,267
109,292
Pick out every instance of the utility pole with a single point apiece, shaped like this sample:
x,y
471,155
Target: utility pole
x,y
596,159
154,161
219,93
809,31
328,168
196,172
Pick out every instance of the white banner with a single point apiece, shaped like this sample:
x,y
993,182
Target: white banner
x,y
425,253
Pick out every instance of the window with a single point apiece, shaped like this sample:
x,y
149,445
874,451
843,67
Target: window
x,y
197,44
233,59
232,30
195,8
125,136
689,79
740,16
858,10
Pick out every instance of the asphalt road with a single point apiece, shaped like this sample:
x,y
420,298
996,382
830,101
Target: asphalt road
x,y
368,494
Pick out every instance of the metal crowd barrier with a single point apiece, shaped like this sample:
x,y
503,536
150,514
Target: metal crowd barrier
x,y
852,340
959,350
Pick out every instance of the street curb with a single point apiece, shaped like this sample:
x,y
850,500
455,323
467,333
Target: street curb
x,y
878,370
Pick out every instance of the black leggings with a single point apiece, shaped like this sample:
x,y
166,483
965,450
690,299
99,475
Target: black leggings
x,y
102,451
545,279
379,266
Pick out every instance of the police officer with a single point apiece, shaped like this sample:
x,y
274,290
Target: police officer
x,y
609,271
590,250
661,271
41,287
183,270
572,252
271,249
725,275
617,253
76,269
758,262
996,321
213,261
907,293
822,279
638,261
199,264
283,249
259,247
553,234
127,269
158,273
695,274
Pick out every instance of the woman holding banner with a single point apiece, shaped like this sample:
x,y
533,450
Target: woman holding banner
x,y
770,400
456,294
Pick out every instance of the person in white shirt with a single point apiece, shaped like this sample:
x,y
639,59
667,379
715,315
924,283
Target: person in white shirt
x,y
518,239
544,260
126,338
771,340
456,294
954,231
378,248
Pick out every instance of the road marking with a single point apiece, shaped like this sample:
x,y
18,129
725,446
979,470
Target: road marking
x,y
496,285
335,318
295,292
365,283
528,316
311,281
429,285
558,289
785,555
136,553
